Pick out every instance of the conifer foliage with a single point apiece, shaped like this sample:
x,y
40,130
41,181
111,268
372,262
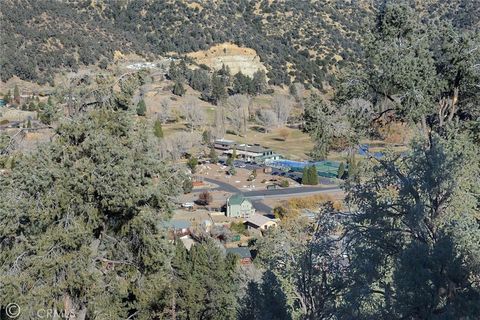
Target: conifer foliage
x,y
84,214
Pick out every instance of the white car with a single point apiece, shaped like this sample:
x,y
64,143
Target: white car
x,y
187,205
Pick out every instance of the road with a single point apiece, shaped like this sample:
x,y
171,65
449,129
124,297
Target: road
x,y
258,195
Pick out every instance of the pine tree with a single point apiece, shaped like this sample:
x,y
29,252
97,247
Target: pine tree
x,y
205,282
242,84
157,129
8,96
352,168
207,137
313,175
178,88
16,94
219,92
141,108
259,82
192,164
292,89
47,113
100,223
341,170
213,155
305,176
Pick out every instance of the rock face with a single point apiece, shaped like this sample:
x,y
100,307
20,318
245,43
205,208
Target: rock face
x,y
233,56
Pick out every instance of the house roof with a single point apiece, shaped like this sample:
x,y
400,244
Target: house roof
x,y
259,220
225,142
236,199
179,224
253,148
242,252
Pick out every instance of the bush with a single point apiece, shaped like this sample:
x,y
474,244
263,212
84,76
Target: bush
x,y
192,164
205,198
284,184
141,108
238,227
187,186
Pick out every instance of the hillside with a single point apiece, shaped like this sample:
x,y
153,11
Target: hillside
x,y
305,41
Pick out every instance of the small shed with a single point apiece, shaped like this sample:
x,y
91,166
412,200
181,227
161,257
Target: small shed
x,y
243,253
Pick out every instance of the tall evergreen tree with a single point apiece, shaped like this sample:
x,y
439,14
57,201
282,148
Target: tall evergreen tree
x,y
8,96
413,235
86,220
16,94
178,88
259,82
219,92
141,108
157,129
305,176
242,84
213,155
205,283
341,170
313,175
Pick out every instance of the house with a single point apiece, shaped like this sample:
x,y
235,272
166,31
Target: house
x,y
224,145
255,153
260,222
243,253
247,152
239,207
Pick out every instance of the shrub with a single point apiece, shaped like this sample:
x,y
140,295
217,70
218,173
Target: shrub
x,y
205,198
284,184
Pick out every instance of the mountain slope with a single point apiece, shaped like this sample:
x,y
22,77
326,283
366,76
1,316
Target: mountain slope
x,y
296,40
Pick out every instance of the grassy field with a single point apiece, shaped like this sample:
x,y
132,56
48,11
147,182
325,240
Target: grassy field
x,y
296,147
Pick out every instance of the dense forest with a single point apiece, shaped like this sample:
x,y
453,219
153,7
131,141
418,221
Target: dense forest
x,y
303,40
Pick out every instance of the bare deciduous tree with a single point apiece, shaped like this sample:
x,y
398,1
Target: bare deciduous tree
x,y
238,112
219,131
282,106
193,113
165,112
267,118
178,144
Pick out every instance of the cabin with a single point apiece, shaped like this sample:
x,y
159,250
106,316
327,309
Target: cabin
x,y
243,254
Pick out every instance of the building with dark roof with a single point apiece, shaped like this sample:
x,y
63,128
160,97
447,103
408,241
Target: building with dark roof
x,y
243,253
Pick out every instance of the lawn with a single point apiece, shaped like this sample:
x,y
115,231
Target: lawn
x,y
296,147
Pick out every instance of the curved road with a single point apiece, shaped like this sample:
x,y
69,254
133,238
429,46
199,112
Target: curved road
x,y
257,195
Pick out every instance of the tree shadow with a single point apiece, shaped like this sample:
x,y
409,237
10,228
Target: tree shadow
x,y
265,300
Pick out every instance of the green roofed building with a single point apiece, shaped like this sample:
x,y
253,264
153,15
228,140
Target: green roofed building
x,y
239,207
242,253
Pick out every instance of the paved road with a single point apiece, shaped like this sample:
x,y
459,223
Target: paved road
x,y
257,195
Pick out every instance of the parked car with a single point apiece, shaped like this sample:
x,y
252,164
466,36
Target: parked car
x,y
187,205
273,187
